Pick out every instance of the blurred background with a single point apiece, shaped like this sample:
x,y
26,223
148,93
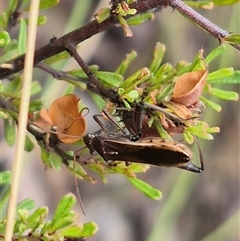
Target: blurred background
x,y
194,206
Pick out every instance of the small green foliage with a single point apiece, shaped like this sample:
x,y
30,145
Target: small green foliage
x,y
215,53
200,4
144,187
224,2
5,177
5,39
211,104
63,224
140,18
22,38
44,4
126,62
109,79
10,131
232,39
102,14
223,76
223,94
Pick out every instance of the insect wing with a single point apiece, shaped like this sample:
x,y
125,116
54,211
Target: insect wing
x,y
149,151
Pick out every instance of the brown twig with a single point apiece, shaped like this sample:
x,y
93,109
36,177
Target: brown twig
x,y
92,28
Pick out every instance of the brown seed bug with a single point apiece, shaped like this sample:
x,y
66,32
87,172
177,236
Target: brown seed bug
x,y
132,148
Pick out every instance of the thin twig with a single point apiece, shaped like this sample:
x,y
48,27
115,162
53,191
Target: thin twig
x,y
94,83
200,21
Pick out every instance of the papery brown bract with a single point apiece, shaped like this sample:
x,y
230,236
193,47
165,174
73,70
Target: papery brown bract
x,y
189,87
65,118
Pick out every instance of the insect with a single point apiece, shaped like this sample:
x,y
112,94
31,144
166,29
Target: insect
x,y
150,150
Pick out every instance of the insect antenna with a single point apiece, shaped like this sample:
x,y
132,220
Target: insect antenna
x,y
200,154
77,187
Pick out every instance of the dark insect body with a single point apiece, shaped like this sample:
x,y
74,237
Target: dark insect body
x,y
153,151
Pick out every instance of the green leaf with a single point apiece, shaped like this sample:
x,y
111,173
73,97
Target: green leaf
x,y
13,86
80,73
135,79
10,51
126,62
102,15
64,222
22,37
211,104
89,229
223,94
72,232
63,208
140,18
131,96
45,156
44,4
221,73
26,204
3,204
37,217
78,170
161,131
29,146
232,39
200,4
5,39
41,20
233,79
56,161
5,177
10,131
161,72
126,29
112,79
200,130
157,57
144,187
216,52
35,105
98,100
188,137
61,56
224,2
35,88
